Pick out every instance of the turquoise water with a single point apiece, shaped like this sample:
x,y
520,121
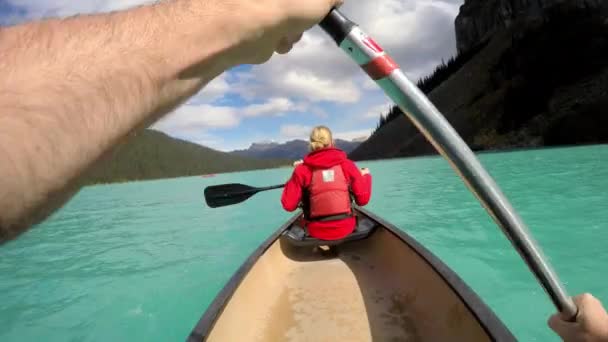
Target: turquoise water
x,y
141,261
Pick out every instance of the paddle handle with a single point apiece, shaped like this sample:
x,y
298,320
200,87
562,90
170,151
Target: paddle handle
x,y
387,74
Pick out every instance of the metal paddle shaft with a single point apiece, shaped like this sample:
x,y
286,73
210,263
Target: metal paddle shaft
x,y
382,69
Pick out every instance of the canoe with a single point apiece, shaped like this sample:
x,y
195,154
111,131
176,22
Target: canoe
x,y
379,284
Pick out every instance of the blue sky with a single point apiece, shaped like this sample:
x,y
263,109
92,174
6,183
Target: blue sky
x,y
314,84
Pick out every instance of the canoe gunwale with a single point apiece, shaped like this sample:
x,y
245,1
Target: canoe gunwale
x,y
492,325
215,309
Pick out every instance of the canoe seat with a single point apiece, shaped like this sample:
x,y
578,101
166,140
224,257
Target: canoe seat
x,y
297,235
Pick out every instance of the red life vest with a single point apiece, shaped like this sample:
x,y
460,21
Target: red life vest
x,y
329,195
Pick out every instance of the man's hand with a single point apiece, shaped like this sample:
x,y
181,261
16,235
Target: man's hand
x,y
263,27
591,322
298,162
364,171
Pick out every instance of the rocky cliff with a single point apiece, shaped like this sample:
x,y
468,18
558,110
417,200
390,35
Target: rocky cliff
x,y
478,20
534,83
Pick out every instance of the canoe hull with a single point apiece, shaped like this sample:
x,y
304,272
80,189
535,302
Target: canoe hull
x,y
385,287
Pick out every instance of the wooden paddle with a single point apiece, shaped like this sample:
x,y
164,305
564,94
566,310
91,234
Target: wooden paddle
x,y
228,194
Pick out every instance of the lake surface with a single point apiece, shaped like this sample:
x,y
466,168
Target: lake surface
x,y
141,261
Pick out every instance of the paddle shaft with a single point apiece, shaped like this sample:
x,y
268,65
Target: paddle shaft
x,y
270,188
382,69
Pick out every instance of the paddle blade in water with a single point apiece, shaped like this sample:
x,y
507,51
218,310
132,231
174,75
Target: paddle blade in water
x,y
228,194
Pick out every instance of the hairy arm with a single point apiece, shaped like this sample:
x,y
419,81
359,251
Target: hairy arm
x,y
71,89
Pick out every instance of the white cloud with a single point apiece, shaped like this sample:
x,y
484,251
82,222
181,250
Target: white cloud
x,y
314,87
202,117
319,112
215,89
297,83
276,106
198,118
374,112
295,132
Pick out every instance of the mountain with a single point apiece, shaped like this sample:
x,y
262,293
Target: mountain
x,y
292,150
478,20
151,155
534,73
359,140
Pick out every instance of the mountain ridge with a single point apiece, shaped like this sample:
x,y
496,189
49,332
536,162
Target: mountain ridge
x,y
150,154
292,149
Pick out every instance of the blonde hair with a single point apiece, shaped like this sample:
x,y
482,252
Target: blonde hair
x,y
320,137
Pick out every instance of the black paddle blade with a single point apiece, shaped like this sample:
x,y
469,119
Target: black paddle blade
x,y
228,194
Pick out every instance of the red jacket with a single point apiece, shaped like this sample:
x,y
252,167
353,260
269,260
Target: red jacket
x,y
361,187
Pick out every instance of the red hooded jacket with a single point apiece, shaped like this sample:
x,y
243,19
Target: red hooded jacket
x,y
361,187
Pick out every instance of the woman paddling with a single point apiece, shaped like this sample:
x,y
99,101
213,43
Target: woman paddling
x,y
325,182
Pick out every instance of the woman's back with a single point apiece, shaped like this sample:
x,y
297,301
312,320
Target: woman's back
x,y
324,183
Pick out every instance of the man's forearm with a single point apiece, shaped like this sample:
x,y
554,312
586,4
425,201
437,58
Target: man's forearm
x,y
89,79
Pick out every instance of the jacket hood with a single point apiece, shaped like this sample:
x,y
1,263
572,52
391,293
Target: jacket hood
x,y
325,158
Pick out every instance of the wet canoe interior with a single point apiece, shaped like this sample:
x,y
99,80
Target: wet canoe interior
x,y
377,289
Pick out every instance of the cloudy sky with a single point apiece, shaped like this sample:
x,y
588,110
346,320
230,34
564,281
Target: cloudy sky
x,y
314,84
